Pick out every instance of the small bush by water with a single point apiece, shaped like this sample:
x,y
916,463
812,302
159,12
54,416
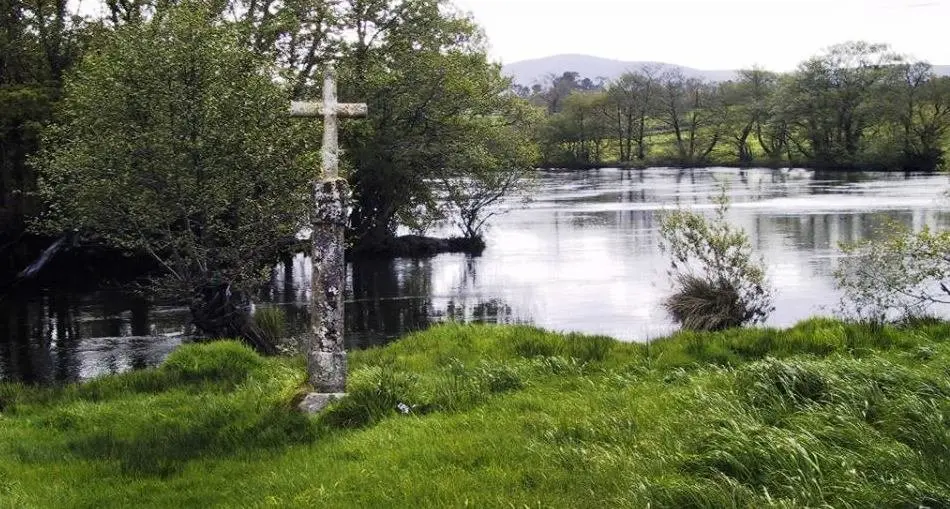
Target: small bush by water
x,y
719,282
822,414
705,304
897,276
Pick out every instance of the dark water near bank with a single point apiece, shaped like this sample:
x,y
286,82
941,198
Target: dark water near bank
x,y
582,255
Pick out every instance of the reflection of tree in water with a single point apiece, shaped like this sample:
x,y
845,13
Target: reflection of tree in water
x,y
490,311
290,291
468,305
140,324
26,340
823,234
843,178
385,298
297,316
829,231
62,312
389,298
44,336
392,298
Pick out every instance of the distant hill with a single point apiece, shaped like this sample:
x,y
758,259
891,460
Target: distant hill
x,y
529,72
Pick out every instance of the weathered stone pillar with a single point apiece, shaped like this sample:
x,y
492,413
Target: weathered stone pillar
x,y
327,355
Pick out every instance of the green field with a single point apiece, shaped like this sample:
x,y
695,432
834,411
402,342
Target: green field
x,y
823,414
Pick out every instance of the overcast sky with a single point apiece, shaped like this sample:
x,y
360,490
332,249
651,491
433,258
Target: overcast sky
x,y
710,34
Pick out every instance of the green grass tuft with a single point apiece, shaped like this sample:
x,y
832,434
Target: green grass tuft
x,y
219,361
271,324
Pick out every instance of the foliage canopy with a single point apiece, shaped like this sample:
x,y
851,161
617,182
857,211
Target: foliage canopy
x,y
173,140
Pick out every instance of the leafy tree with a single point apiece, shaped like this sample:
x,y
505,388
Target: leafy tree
x,y
174,141
424,73
832,100
773,128
920,106
578,133
630,99
719,281
495,163
419,64
560,88
299,36
39,40
746,106
854,105
692,110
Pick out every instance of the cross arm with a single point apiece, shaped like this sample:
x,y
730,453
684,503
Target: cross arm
x,y
316,109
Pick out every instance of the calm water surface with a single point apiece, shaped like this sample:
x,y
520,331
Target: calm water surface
x,y
581,256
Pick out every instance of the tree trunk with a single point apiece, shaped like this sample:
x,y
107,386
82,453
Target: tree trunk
x,y
641,134
742,144
628,140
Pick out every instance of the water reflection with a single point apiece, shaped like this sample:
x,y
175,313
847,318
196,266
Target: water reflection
x,y
388,298
69,335
582,255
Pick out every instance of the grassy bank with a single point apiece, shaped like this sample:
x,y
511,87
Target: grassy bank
x,y
820,414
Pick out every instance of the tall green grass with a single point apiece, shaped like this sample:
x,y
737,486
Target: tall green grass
x,y
270,324
825,414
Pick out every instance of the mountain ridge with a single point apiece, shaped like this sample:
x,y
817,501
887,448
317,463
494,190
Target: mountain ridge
x,y
536,70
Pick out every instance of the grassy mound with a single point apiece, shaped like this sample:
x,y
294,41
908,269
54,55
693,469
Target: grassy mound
x,y
823,414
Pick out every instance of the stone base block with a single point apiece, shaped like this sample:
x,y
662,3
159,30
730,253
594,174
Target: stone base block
x,y
316,401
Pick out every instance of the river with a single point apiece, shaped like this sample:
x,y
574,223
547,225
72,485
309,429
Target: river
x,y
581,255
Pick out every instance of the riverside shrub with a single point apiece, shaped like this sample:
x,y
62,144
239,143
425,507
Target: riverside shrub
x,y
718,281
896,275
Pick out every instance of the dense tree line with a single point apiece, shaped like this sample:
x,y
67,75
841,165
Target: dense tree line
x,y
858,105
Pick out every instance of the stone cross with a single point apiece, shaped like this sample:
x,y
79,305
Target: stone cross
x,y
326,356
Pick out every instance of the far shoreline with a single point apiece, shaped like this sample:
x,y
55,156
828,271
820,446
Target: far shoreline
x,y
767,165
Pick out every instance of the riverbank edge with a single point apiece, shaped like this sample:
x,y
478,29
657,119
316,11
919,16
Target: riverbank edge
x,y
69,262
765,164
515,413
81,262
417,246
